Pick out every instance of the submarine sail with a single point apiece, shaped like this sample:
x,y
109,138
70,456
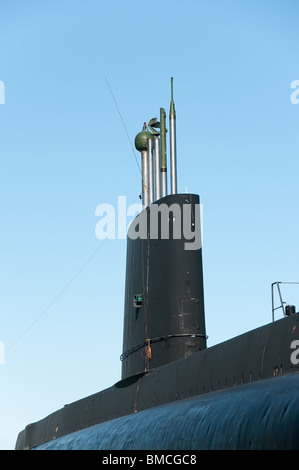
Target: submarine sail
x,y
175,392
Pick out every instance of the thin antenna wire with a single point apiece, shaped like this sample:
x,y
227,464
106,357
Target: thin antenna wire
x,y
123,124
57,297
88,260
46,309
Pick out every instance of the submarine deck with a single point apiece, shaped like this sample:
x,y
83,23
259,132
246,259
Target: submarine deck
x,y
262,353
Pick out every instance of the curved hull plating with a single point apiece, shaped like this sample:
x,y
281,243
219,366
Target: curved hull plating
x,y
260,415
245,390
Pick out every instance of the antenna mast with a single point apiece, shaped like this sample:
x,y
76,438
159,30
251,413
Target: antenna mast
x,y
172,126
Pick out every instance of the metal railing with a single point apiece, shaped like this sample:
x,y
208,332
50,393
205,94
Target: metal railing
x,y
282,303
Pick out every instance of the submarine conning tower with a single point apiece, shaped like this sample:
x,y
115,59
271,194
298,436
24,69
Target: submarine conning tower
x,y
164,316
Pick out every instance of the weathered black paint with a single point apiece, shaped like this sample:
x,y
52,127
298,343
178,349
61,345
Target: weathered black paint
x,y
250,358
247,386
263,415
170,279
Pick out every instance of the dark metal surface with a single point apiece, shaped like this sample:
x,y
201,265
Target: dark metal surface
x,y
263,415
175,393
170,280
247,359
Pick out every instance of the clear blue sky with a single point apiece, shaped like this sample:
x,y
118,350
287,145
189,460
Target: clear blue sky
x,y
64,151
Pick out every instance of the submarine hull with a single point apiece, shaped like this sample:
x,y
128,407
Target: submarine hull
x,y
249,382
175,393
259,416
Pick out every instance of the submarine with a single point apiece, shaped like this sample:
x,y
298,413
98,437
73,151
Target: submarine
x,y
175,392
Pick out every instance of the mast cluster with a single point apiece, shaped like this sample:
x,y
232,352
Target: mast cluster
x,y
152,145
